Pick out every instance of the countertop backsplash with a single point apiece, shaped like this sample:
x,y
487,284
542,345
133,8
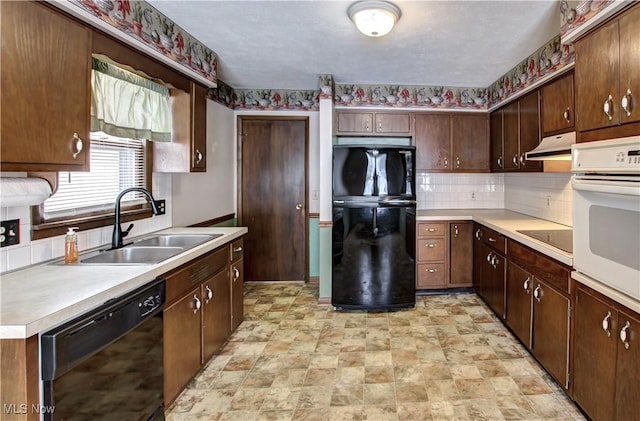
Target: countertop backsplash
x,y
32,252
543,195
459,191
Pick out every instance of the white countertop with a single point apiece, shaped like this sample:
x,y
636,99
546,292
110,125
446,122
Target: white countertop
x,y
506,223
37,298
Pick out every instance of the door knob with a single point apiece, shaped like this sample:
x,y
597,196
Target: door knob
x,y
299,206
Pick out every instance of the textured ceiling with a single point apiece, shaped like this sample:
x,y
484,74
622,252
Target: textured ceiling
x,y
287,44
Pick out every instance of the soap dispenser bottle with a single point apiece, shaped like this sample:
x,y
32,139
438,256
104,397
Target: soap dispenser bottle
x,y
71,246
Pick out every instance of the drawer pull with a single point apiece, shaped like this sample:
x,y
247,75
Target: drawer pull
x,y
237,249
431,245
492,240
606,325
432,229
432,270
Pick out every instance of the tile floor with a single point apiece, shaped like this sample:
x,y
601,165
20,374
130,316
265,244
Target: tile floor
x,y
292,359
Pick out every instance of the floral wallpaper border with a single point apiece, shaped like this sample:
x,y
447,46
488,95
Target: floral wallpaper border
x,y
575,13
548,59
141,21
408,96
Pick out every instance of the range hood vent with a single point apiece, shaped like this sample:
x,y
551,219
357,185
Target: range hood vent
x,y
553,148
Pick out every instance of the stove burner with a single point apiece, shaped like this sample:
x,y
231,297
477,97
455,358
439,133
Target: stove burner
x,y
562,238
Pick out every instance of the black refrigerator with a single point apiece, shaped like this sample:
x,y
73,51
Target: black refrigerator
x,y
374,213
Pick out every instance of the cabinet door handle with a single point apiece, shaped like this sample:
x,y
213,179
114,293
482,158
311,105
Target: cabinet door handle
x,y
432,270
626,102
78,144
446,162
567,115
606,323
455,231
624,335
526,284
607,107
489,257
515,159
500,162
196,304
198,156
366,125
457,162
237,249
478,236
495,261
537,293
209,294
522,160
431,245
379,125
236,274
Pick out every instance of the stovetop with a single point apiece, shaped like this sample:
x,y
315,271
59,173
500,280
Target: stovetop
x,y
562,238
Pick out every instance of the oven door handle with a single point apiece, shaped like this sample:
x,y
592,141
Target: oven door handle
x,y
629,188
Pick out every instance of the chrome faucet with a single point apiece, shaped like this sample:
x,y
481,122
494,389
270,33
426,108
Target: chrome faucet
x,y
118,233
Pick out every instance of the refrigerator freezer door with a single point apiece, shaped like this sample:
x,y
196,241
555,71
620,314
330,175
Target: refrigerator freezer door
x,y
373,257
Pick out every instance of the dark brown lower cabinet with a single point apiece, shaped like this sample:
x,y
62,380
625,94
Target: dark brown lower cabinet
x,y
489,271
538,307
606,367
550,330
216,314
460,249
183,337
519,287
204,305
237,293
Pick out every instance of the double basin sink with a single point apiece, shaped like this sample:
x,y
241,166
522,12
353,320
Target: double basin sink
x,y
149,251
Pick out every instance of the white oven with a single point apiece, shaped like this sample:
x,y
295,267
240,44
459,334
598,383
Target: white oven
x,y
606,213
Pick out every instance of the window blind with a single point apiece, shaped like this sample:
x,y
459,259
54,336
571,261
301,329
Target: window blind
x,y
116,164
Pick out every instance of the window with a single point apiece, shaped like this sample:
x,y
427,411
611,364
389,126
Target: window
x,y
125,109
116,164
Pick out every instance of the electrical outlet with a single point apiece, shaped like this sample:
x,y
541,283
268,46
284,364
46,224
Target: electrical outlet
x,y
473,195
161,205
315,195
9,233
548,202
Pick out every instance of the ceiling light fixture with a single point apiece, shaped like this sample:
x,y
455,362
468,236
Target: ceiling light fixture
x,y
374,18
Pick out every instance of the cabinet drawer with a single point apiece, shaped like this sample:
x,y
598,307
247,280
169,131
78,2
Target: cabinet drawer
x,y
431,229
431,249
431,275
543,267
237,250
186,277
494,240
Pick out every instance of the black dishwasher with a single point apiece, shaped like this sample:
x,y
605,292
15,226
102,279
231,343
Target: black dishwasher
x,y
108,364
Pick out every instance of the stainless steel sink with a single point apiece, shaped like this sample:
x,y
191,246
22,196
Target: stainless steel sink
x,y
149,251
133,256
175,240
